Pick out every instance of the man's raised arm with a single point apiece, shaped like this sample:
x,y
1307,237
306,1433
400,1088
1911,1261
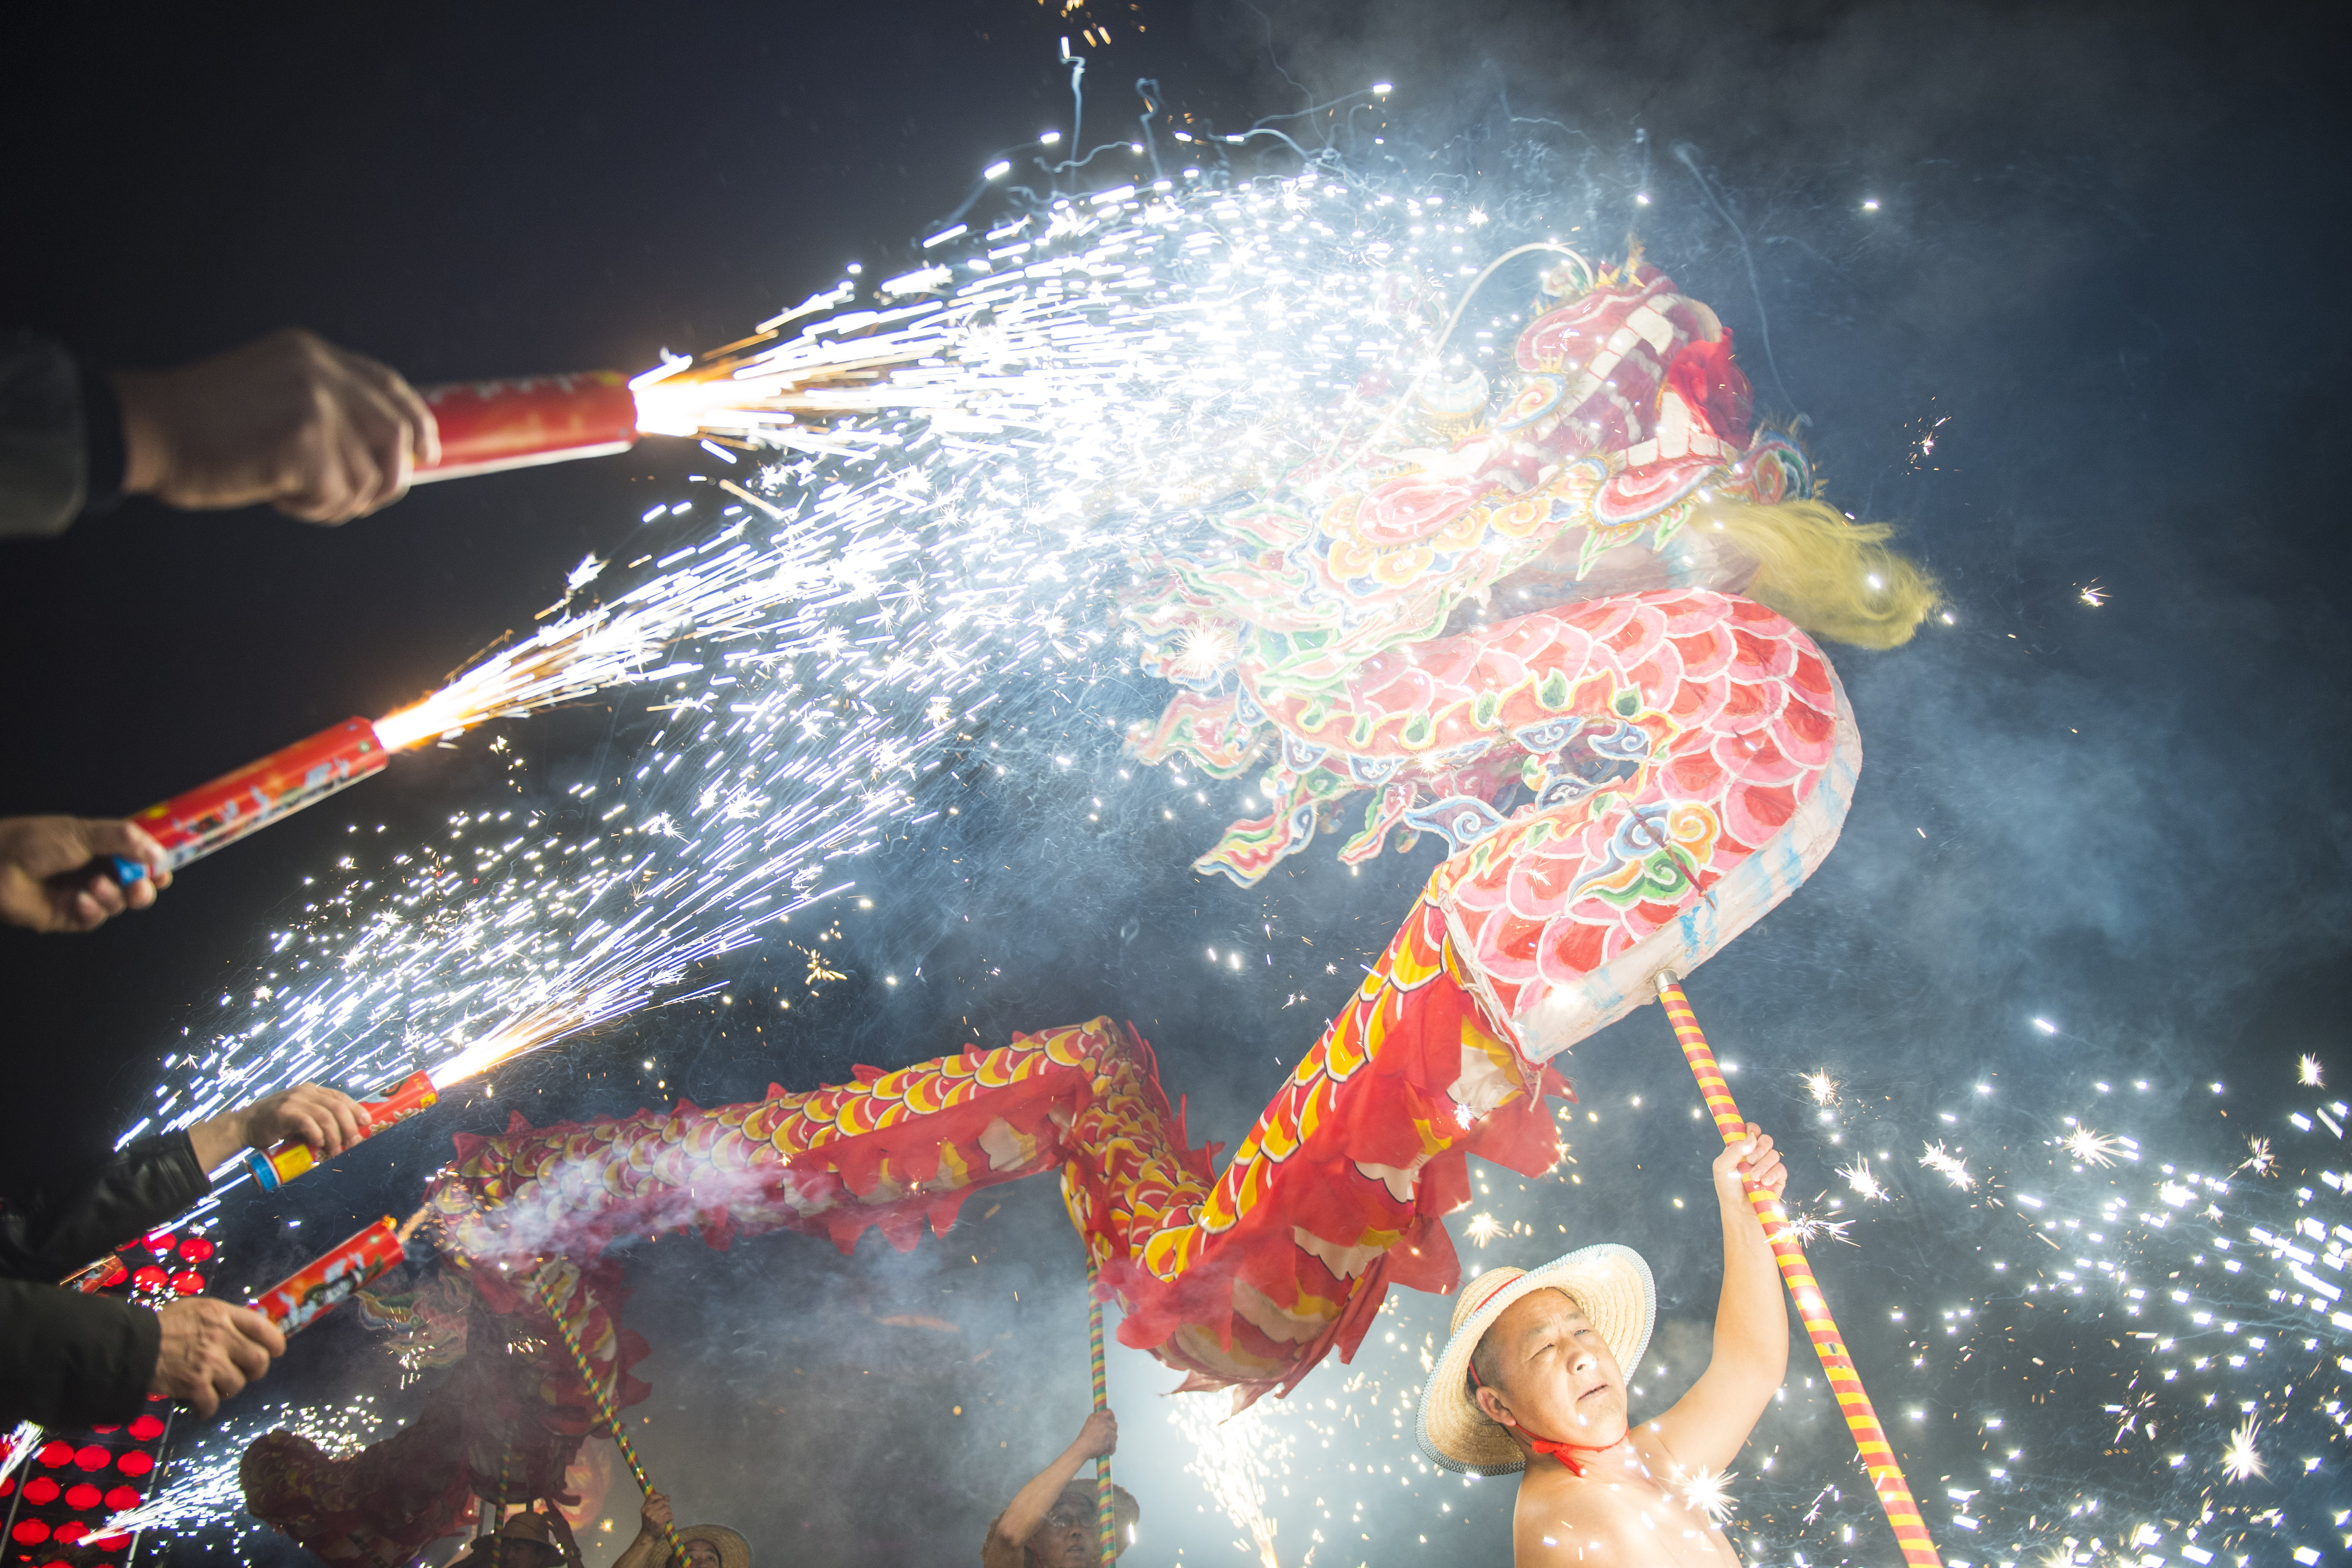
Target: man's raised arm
x,y
1707,1427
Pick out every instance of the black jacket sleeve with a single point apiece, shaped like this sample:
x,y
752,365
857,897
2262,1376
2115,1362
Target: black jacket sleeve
x,y
70,1360
66,1358
87,1210
61,451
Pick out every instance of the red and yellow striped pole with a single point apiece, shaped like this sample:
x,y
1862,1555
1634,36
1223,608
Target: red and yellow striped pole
x,y
1106,1514
605,1411
1869,1437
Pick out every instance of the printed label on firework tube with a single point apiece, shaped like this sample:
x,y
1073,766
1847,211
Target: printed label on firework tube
x,y
318,1287
280,1162
490,426
192,826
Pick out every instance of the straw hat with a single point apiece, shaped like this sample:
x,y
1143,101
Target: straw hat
x,y
1125,1511
734,1552
1611,1283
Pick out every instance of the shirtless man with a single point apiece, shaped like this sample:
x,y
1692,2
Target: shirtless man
x,y
1535,1380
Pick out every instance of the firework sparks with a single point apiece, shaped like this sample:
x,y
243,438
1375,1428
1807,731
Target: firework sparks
x,y
1954,1169
2090,1148
1233,1457
2258,1158
833,619
1484,1228
1859,1176
2307,1071
2240,1459
2092,595
1822,1086
1709,1492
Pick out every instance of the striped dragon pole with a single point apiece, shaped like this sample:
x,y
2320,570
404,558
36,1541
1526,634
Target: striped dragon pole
x,y
1869,1437
1106,1515
604,1398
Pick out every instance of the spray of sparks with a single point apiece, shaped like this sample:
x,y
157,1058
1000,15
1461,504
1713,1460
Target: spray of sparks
x,y
1860,1177
1233,1457
1709,1492
1484,1228
969,459
2090,1148
2240,1459
2307,1072
1953,1168
2092,594
203,1484
1822,1086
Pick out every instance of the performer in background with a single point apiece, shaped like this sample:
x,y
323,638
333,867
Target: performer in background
x,y
1051,1521
706,1545
1535,1378
71,1360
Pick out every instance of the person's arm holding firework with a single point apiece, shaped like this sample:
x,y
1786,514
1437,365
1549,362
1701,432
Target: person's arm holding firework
x,y
48,876
67,1357
1708,1426
319,432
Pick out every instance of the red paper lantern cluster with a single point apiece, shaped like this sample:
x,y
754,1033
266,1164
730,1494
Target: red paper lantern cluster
x,y
76,1482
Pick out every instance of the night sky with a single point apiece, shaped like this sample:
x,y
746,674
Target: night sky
x,y
2101,274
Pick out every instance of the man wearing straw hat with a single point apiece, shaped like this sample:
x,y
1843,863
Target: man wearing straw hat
x,y
1052,1521
705,1545
1534,1380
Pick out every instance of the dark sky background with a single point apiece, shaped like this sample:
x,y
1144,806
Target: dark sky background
x,y
2106,255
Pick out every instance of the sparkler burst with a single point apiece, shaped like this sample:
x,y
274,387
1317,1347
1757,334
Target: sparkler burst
x,y
1822,1086
1935,1157
2307,1071
1709,1492
2090,1148
1484,1228
2240,1460
1233,1457
1859,1176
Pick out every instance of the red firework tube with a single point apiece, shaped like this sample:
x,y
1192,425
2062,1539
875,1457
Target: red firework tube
x,y
192,826
275,1166
488,426
322,1284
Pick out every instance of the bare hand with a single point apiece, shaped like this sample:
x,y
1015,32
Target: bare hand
x,y
1752,1160
322,434
1098,1438
210,1351
328,1119
656,1515
47,880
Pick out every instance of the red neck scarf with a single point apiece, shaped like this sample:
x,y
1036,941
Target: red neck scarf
x,y
1564,1452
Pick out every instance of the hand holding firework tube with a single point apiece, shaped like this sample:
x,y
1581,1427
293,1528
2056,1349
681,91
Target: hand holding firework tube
x,y
319,1122
274,1163
47,881
209,1350
319,432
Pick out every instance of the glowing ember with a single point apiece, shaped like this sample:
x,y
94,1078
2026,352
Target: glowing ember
x,y
2090,1148
2240,1461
